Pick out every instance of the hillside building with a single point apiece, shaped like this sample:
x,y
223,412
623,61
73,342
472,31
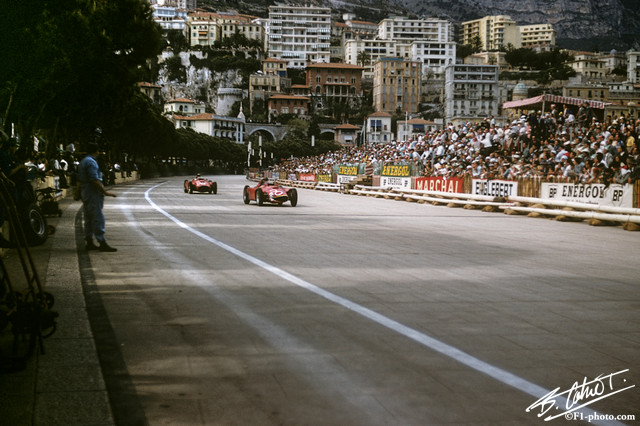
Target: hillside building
x,y
537,35
299,34
633,66
500,31
405,30
367,52
397,85
471,92
378,128
153,91
491,32
169,17
288,104
183,107
178,4
205,28
270,81
213,125
333,83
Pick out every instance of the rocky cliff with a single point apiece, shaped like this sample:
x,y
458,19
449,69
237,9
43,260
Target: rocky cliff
x,y
579,23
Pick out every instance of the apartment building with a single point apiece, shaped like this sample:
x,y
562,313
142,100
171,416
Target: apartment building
x,y
489,58
397,85
433,55
633,66
231,23
179,4
492,32
288,104
537,35
471,92
213,125
205,28
405,30
500,31
588,65
334,83
378,128
202,29
369,50
184,107
270,81
169,17
152,91
299,34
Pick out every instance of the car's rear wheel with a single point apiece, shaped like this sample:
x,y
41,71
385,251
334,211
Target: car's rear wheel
x,y
259,197
293,197
245,194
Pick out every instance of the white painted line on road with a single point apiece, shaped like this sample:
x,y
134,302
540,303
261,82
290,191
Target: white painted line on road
x,y
464,358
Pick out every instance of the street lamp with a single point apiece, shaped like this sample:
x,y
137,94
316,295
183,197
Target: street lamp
x,y
406,118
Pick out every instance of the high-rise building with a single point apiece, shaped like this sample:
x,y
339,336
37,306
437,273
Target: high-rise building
x,y
471,91
299,34
397,85
403,29
491,32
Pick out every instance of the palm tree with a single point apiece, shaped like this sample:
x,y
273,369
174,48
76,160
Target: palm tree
x,y
363,58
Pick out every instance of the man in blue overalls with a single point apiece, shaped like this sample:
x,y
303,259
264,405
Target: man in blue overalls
x,y
93,192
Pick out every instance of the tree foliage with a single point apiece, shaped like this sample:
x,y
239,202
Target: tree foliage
x,y
70,66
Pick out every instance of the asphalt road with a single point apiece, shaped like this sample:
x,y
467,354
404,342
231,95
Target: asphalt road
x,y
350,310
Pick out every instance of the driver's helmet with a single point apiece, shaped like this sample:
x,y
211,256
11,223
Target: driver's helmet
x,y
197,175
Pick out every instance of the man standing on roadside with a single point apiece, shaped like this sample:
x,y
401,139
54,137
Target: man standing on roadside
x,y
92,194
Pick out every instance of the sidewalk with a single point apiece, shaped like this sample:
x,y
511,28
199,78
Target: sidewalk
x,y
65,385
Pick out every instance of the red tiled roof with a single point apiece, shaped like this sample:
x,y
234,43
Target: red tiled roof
x,y
182,100
334,65
380,114
289,97
348,126
145,84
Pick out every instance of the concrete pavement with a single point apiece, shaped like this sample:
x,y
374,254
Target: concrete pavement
x,y
65,385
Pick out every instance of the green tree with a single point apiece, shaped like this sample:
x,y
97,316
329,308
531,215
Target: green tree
x,y
70,66
363,59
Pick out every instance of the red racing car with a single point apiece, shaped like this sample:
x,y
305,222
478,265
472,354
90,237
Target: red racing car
x,y
267,193
200,184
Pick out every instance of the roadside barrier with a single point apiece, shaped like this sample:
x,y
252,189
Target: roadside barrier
x,y
597,215
296,183
326,186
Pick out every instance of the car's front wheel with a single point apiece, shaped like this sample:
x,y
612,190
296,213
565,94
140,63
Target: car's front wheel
x,y
214,187
293,197
190,188
259,197
186,186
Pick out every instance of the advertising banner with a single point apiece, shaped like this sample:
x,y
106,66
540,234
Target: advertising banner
x,y
392,170
613,195
494,187
395,182
396,176
324,178
440,184
307,177
347,172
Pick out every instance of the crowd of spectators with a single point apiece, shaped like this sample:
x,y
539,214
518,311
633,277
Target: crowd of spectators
x,y
557,146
